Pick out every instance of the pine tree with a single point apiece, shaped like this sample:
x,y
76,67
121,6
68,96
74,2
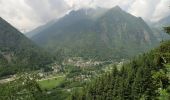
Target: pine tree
x,y
167,29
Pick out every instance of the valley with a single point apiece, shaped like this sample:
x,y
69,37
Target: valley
x,y
87,53
74,73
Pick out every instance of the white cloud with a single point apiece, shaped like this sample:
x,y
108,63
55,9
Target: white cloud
x,y
76,4
48,9
28,14
142,8
17,13
162,10
152,10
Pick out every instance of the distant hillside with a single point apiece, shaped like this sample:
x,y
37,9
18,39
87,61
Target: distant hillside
x,y
160,34
165,21
98,34
157,28
18,53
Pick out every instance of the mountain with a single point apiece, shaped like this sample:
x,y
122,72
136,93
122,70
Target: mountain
x,y
93,13
157,28
160,34
39,29
99,33
160,23
18,53
165,21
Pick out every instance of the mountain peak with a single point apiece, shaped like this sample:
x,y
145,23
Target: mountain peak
x,y
117,8
84,36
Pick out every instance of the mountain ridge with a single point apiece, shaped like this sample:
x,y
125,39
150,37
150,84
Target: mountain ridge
x,y
18,53
80,34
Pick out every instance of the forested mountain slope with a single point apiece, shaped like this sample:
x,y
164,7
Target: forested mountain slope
x,y
145,77
18,53
97,34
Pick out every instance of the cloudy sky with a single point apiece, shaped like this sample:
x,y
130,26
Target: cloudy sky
x,y
28,14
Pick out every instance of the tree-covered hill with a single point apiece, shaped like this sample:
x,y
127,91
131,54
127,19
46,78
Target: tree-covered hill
x,y
18,53
143,78
97,34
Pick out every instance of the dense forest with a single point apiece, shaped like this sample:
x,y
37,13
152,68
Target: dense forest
x,y
146,77
18,53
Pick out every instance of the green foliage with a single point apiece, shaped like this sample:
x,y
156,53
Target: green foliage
x,y
164,95
18,53
24,87
57,94
51,83
167,30
144,78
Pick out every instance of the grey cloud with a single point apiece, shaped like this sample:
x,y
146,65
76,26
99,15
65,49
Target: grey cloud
x,y
47,9
17,13
149,9
28,14
162,10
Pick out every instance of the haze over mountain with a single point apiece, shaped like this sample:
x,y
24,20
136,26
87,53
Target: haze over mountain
x,y
165,21
97,33
157,28
18,53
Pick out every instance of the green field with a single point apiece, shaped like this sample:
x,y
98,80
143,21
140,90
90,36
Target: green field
x,y
51,83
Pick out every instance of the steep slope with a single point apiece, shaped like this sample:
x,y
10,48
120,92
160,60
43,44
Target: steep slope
x,y
97,34
18,53
39,29
144,78
92,13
